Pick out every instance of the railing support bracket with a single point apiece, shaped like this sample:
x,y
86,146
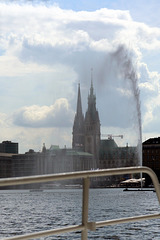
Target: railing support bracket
x,y
92,226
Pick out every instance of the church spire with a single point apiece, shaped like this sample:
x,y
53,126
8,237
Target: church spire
x,y
79,104
78,126
91,89
92,124
92,97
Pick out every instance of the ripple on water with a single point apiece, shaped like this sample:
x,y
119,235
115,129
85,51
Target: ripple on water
x,y
26,212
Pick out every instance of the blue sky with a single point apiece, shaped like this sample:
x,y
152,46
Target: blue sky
x,y
48,47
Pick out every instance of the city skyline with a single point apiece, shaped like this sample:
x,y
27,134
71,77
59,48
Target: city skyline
x,y
47,48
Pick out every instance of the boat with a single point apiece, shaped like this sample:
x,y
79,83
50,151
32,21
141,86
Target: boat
x,y
133,182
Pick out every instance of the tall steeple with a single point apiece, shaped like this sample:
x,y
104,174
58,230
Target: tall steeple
x,y
92,125
78,126
91,89
79,103
92,99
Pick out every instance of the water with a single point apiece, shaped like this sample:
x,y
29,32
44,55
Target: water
x,y
24,212
127,69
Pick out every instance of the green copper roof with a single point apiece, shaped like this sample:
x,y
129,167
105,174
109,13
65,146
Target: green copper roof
x,y
77,153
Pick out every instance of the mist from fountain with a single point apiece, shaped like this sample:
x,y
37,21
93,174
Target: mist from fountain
x,y
127,69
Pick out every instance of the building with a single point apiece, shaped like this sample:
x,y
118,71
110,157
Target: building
x,y
7,150
5,165
151,156
52,160
8,147
112,156
86,130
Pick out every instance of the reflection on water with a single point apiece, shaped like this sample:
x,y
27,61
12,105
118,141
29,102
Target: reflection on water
x,y
24,212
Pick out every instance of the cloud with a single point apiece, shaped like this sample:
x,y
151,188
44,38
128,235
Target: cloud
x,y
149,88
69,31
45,51
58,115
11,66
149,37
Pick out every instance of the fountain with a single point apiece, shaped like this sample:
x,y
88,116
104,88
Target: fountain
x,y
127,70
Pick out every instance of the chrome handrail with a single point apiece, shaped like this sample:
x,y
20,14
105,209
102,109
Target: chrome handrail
x,y
86,175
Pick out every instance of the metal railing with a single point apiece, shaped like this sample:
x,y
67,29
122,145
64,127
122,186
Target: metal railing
x,y
85,175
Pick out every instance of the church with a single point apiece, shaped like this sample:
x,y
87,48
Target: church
x,y
86,129
87,138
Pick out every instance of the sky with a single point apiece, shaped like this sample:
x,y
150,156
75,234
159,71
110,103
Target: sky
x,y
48,47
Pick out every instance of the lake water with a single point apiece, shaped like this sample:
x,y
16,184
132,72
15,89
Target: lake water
x,y
24,212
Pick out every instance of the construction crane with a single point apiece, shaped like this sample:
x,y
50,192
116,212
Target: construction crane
x,y
110,136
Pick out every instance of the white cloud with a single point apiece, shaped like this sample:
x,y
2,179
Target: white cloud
x,y
11,66
150,95
58,115
52,26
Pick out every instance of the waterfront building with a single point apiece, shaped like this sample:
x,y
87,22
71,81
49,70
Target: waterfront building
x,y
151,156
112,156
8,147
6,160
5,165
7,150
52,160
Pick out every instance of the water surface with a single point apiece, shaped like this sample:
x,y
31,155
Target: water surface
x,y
25,211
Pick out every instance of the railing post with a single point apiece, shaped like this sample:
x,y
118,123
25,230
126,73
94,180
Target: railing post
x,y
86,182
